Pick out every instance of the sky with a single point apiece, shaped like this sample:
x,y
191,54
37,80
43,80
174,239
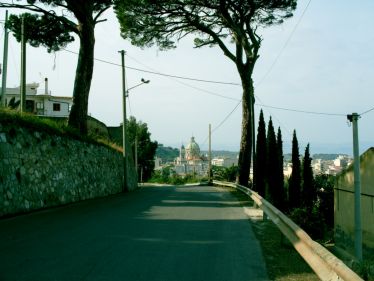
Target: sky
x,y
321,60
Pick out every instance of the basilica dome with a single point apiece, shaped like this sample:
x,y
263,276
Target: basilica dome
x,y
192,150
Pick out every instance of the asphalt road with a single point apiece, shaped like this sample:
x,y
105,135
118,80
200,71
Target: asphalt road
x,y
153,234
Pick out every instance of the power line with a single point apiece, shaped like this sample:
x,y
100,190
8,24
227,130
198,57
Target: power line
x,y
188,85
219,95
163,74
367,111
284,46
271,114
303,111
223,121
227,117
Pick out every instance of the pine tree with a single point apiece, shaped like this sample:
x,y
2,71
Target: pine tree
x,y
272,166
294,191
282,192
230,25
309,193
260,160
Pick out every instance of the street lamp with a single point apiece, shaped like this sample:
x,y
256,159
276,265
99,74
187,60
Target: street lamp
x,y
124,126
143,81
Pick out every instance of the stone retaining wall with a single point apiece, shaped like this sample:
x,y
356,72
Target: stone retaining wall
x,y
39,170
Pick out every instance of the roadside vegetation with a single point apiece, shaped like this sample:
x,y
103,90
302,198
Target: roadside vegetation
x,y
283,262
168,176
307,199
51,126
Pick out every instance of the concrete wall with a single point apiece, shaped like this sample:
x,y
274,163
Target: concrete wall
x,y
39,170
344,206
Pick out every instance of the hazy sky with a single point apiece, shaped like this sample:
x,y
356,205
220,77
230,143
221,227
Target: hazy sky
x,y
326,66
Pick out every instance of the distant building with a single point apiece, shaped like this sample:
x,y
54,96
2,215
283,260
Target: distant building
x,y
190,161
41,104
158,163
224,162
331,167
317,166
344,206
287,170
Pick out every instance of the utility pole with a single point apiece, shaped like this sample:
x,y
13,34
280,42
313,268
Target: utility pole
x,y
5,62
136,157
23,67
357,184
210,154
253,139
124,126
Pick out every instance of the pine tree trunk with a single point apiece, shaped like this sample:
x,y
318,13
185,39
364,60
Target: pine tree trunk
x,y
244,162
83,77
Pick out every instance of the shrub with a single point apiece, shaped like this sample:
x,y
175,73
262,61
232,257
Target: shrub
x,y
310,221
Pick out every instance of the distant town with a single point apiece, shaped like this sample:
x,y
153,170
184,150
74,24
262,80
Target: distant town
x,y
189,159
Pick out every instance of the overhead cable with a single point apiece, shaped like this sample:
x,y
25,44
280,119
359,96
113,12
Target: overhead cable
x,y
227,117
367,111
301,111
223,96
284,46
163,74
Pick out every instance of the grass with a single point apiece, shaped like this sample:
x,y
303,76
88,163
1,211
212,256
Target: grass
x,y
50,126
283,262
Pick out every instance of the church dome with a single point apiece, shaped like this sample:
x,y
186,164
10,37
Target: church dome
x,y
192,150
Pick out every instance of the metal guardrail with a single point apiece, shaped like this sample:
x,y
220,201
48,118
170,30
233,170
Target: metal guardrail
x,y
323,263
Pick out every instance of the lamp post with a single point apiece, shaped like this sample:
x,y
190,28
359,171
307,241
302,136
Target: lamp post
x,y
5,61
143,81
357,184
124,126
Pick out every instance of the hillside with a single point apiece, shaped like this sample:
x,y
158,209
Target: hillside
x,y
167,154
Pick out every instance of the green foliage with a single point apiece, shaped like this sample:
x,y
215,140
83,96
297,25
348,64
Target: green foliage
x,y
280,179
310,221
167,154
274,168
168,176
224,173
231,173
51,24
325,156
146,148
309,193
231,25
261,156
294,183
317,217
148,22
324,185
48,125
13,104
272,184
44,30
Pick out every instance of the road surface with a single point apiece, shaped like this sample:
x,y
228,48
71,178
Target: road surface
x,y
153,234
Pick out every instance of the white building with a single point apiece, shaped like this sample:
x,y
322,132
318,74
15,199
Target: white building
x,y
224,162
190,160
158,163
41,104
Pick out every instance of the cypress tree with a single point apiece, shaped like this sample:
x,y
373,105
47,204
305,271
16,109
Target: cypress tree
x,y
282,193
309,193
294,194
260,160
272,166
